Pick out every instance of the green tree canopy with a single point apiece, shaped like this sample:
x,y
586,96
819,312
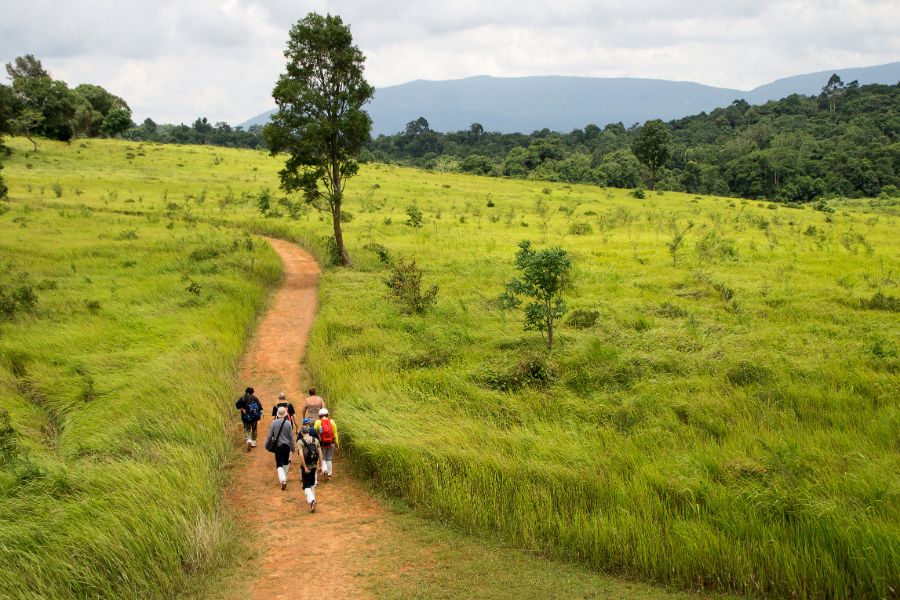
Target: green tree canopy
x,y
544,275
320,122
651,147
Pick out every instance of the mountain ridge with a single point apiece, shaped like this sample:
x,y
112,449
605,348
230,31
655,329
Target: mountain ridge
x,y
563,103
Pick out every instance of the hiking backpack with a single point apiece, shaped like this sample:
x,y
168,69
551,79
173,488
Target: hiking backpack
x,y
310,453
254,411
327,434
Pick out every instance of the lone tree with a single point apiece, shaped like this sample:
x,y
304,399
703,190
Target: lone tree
x,y
544,275
320,122
651,147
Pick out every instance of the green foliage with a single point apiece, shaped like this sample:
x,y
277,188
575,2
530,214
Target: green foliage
x,y
544,275
580,228
17,294
583,318
531,370
405,285
881,301
414,216
320,123
651,147
9,443
638,193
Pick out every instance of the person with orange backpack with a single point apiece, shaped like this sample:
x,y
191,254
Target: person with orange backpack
x,y
328,438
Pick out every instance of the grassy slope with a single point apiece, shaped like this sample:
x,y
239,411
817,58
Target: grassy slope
x,y
118,386
745,444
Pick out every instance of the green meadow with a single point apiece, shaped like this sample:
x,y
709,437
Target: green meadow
x,y
723,418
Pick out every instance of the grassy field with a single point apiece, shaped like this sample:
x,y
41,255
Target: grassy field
x,y
730,421
114,383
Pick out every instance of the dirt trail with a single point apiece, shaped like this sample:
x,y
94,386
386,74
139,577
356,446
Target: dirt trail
x,y
278,524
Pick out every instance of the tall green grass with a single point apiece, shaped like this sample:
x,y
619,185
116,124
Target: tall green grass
x,y
729,422
118,385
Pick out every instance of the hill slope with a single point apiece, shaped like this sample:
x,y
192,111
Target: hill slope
x,y
525,104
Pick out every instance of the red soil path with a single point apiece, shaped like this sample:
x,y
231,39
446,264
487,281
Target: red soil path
x,y
288,545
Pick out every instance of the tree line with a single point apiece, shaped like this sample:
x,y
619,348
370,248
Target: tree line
x,y
840,142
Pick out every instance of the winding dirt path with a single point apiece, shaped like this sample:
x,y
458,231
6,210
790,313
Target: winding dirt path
x,y
288,544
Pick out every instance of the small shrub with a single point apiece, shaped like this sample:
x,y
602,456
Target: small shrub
x,y
671,311
638,193
331,249
490,202
532,370
57,190
580,228
881,301
194,288
93,306
17,298
822,206
642,323
204,253
582,318
405,284
414,216
381,252
883,349
128,234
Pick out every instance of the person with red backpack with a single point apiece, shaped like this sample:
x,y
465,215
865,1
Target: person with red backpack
x,y
328,438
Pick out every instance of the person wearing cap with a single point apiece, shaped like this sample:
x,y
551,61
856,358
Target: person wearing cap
x,y
328,438
282,401
251,412
313,405
310,454
280,431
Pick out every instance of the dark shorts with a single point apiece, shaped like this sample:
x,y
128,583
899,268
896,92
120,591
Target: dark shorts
x,y
282,456
309,479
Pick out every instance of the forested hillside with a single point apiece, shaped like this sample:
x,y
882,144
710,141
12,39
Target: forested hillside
x,y
842,142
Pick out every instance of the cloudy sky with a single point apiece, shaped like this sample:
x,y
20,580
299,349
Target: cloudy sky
x,y
174,61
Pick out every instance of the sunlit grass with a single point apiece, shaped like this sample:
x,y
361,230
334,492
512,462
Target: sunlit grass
x,y
729,422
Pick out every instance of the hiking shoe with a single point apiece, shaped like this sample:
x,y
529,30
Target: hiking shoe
x,y
283,485
249,445
253,443
312,506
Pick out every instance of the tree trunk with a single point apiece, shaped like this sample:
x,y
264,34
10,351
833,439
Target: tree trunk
x,y
652,178
343,256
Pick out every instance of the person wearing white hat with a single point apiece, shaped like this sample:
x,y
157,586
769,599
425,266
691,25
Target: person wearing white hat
x,y
328,437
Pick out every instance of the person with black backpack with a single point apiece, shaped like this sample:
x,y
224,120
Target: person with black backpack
x,y
282,401
251,412
280,441
310,462
328,437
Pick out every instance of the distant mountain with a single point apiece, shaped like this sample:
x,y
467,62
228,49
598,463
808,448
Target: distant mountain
x,y
526,104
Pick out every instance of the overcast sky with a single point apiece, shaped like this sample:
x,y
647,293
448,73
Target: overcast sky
x,y
174,61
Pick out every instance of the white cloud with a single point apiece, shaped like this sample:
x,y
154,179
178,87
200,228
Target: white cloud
x,y
176,60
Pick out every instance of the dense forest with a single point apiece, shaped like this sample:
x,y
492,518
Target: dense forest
x,y
843,142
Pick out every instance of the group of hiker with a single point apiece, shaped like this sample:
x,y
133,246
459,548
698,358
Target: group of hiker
x,y
313,440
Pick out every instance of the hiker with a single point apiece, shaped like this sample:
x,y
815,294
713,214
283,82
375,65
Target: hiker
x,y
312,429
310,462
251,412
328,437
290,408
313,405
281,441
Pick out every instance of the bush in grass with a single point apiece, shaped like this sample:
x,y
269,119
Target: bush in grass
x,y
405,284
638,193
881,301
9,443
414,216
580,228
582,318
16,297
532,370
383,254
